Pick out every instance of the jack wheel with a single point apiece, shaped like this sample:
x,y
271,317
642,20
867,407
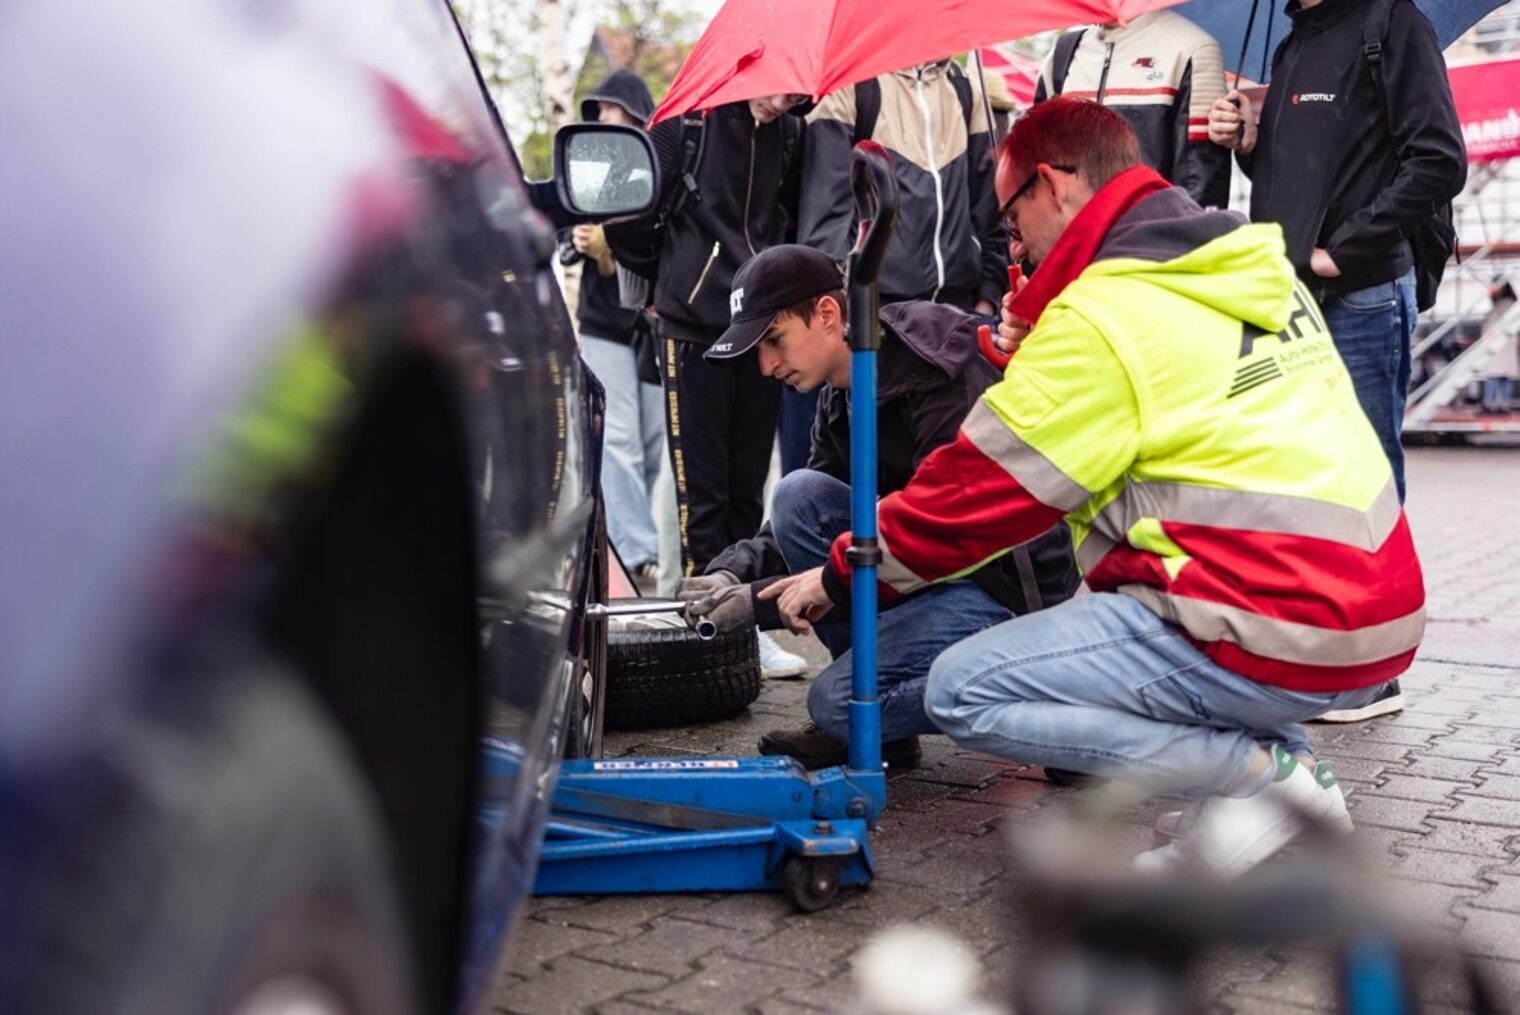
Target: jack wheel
x,y
811,882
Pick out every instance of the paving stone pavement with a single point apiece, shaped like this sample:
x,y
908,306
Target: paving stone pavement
x,y
1435,789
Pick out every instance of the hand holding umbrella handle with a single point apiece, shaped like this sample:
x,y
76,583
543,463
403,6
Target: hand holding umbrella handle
x,y
876,201
993,354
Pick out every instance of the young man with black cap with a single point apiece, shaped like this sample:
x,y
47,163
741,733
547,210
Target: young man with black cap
x,y
788,311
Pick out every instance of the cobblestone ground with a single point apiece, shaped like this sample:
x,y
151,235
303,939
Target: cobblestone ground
x,y
1435,789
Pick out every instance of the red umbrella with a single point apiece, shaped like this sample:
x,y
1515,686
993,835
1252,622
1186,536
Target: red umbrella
x,y
774,47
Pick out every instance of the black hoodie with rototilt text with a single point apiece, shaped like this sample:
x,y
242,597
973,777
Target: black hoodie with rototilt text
x,y
1334,164
930,374
745,201
598,309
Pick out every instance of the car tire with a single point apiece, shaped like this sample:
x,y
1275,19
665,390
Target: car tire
x,y
659,673
217,852
586,716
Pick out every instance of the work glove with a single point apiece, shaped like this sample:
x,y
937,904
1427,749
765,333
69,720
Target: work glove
x,y
721,598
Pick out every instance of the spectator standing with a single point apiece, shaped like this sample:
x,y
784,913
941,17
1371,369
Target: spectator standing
x,y
1351,168
1161,73
611,340
1353,156
792,312
949,245
1504,361
729,190
729,184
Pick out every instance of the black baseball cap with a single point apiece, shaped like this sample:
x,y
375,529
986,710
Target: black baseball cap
x,y
768,283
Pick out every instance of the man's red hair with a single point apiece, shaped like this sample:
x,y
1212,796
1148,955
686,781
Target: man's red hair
x,y
1093,139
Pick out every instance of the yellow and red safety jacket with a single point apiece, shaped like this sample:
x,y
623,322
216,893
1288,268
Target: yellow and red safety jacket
x,y
1182,406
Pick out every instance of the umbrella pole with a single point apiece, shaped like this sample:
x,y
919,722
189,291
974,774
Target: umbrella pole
x,y
1245,44
1266,53
981,81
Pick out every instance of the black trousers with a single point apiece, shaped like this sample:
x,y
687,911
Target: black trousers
x,y
720,419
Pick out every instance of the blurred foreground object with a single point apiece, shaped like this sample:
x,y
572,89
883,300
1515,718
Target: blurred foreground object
x,y
298,488
918,971
1101,939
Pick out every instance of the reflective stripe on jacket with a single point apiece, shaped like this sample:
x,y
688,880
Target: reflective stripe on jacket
x,y
1182,405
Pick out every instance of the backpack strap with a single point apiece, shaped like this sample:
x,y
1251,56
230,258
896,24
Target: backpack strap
x,y
867,109
1060,64
962,85
1374,31
693,145
1435,241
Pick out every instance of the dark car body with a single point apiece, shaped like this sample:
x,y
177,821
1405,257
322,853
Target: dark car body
x,y
283,375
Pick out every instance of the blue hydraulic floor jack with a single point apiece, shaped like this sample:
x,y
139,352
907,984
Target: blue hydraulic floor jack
x,y
744,824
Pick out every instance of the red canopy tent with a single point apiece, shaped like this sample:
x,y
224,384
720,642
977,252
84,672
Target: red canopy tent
x,y
1488,104
1018,71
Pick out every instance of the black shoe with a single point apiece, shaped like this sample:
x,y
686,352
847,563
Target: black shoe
x,y
1389,700
816,749
1076,780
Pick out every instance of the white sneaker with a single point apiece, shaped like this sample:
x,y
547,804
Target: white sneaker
x,y
1233,834
1172,826
776,663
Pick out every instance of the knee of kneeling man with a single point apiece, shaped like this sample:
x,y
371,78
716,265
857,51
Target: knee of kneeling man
x,y
795,492
828,699
941,692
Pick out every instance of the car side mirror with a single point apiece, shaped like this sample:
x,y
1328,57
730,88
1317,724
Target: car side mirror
x,y
602,170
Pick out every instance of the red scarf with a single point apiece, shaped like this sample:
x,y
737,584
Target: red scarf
x,y
1079,244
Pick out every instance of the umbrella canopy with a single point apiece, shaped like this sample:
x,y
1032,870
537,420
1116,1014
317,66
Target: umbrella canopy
x,y
774,47
1255,27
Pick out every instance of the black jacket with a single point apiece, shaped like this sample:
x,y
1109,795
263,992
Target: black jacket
x,y
1330,163
597,308
746,200
929,375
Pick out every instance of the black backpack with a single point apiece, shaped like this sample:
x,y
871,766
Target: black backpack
x,y
693,146
868,103
1435,241
678,184
1060,63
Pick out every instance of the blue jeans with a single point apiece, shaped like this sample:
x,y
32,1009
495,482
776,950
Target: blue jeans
x,y
808,510
1372,328
1496,392
1100,684
632,448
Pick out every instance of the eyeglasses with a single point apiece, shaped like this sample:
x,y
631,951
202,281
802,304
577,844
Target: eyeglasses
x,y
1024,187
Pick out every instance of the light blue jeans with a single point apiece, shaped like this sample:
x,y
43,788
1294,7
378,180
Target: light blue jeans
x,y
1372,328
808,510
1102,685
632,448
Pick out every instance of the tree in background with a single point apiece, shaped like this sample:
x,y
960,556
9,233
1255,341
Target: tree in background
x,y
522,51
649,37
